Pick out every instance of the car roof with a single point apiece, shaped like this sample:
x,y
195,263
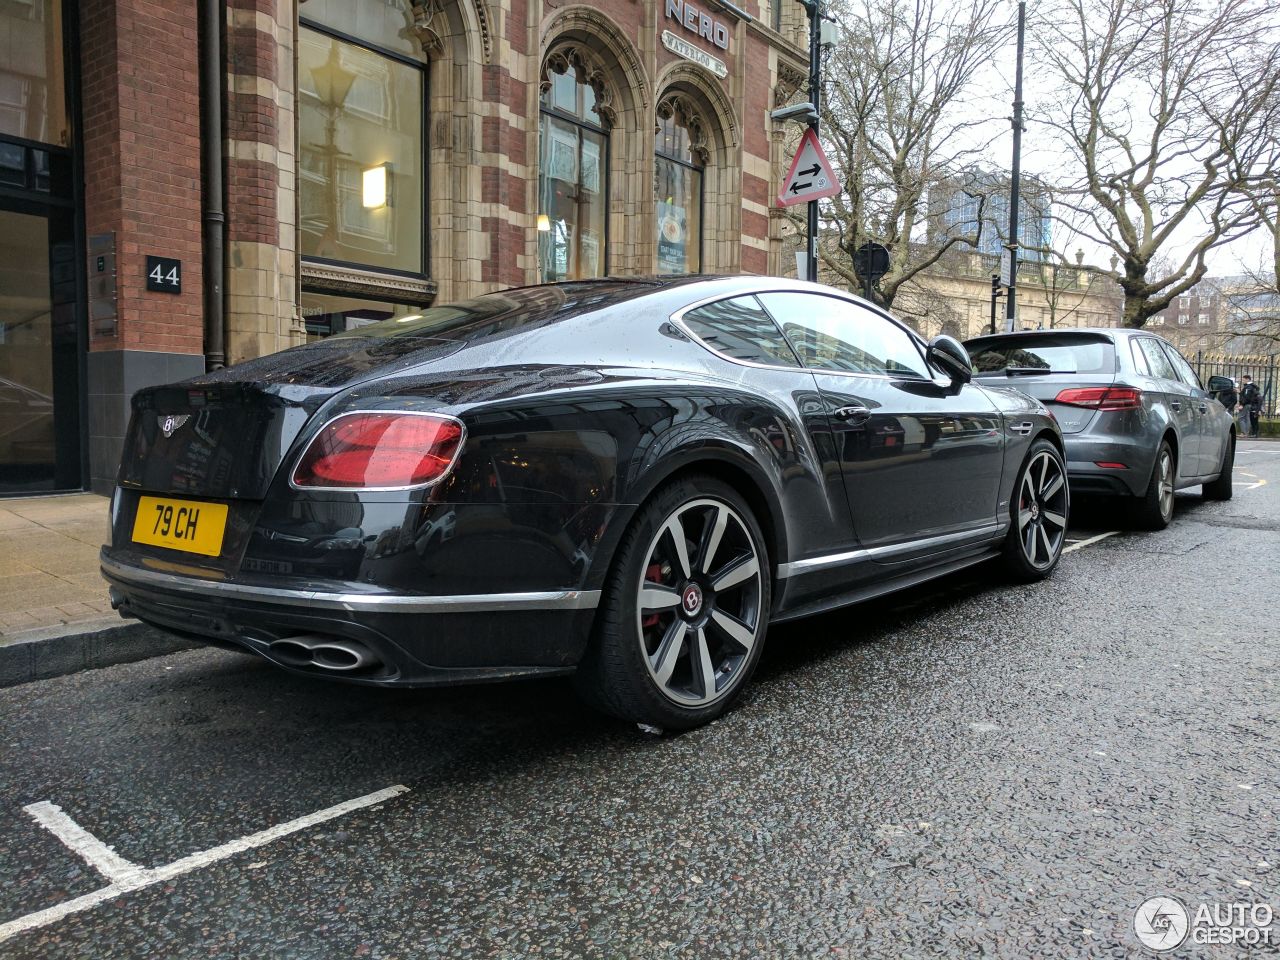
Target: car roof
x,y
1111,332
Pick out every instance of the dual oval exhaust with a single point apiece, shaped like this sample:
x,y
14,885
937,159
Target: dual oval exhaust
x,y
328,653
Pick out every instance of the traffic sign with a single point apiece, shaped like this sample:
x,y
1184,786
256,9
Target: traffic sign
x,y
812,176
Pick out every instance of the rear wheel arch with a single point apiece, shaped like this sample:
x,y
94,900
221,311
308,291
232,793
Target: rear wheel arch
x,y
748,483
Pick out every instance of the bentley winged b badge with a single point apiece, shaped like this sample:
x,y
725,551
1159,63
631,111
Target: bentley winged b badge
x,y
171,422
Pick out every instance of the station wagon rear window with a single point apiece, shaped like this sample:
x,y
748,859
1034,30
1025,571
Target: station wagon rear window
x,y
1044,353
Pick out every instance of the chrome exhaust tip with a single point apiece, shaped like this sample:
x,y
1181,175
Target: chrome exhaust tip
x,y
328,653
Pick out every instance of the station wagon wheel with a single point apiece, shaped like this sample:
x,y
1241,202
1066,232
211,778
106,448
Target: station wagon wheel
x,y
685,609
1040,511
698,615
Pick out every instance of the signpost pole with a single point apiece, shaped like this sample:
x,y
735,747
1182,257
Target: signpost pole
x,y
815,93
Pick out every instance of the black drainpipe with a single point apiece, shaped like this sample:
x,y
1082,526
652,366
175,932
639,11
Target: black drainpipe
x,y
212,20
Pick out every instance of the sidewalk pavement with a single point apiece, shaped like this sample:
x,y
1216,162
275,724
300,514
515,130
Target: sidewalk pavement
x,y
55,616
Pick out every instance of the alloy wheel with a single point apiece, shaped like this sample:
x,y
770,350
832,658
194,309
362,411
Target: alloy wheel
x,y
698,612
1166,484
1042,510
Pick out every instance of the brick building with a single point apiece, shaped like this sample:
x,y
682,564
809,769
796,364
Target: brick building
x,y
188,183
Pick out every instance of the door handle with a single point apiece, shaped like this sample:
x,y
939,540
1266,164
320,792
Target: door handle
x,y
1204,407
856,416
1176,405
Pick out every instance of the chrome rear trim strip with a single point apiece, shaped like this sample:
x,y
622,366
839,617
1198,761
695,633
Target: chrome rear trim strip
x,y
977,534
355,602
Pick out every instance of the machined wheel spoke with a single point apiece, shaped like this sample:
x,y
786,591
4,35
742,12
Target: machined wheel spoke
x,y
1044,471
1057,519
668,654
1044,539
1029,542
675,531
1024,517
654,596
711,542
735,629
705,670
734,573
1053,487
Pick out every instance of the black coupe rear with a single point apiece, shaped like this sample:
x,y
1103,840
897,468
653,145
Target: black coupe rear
x,y
623,479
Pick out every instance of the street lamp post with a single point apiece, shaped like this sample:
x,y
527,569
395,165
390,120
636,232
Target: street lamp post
x,y
1014,176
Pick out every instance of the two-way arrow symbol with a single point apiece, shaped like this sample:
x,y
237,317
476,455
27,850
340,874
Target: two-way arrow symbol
x,y
797,187
810,171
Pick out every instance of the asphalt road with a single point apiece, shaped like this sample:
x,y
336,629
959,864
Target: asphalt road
x,y
970,770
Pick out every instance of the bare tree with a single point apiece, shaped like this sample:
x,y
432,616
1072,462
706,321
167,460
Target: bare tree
x,y
896,123
1167,111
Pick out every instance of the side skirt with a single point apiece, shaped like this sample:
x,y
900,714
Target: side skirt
x,y
880,588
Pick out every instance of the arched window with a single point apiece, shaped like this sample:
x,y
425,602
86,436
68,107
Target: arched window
x,y
573,173
681,155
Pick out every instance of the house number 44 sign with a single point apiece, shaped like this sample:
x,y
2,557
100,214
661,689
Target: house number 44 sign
x,y
164,274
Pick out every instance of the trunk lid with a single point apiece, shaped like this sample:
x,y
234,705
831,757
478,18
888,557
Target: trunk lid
x,y
224,435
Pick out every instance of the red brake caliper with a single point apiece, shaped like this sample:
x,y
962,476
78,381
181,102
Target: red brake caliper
x,y
653,573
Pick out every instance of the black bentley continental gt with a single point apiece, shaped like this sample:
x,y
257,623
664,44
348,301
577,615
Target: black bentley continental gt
x,y
626,480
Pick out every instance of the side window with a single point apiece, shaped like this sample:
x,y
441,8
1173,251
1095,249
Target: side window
x,y
1139,358
740,329
832,334
1185,373
1159,363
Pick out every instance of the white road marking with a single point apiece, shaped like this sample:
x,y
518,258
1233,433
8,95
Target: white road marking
x,y
1090,541
80,841
1258,481
127,877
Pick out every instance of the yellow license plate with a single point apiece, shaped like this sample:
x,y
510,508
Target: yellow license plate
x,y
181,525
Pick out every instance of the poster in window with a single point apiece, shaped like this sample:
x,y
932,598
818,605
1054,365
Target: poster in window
x,y
673,233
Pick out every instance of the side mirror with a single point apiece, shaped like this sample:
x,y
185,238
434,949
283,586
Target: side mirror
x,y
1219,384
949,355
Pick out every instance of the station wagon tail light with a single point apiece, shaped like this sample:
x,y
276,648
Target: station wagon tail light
x,y
370,451
1101,398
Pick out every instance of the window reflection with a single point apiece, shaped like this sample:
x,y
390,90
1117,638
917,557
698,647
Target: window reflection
x,y
572,181
32,94
360,155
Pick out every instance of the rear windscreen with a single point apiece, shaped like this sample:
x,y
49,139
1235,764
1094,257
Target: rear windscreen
x,y
1050,354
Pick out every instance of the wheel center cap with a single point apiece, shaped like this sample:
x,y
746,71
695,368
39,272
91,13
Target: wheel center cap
x,y
1035,511
691,600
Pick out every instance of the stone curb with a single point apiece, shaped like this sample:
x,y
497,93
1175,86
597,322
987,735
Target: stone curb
x,y
55,652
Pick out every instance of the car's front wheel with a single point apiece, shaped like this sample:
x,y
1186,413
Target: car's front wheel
x,y
1040,511
685,609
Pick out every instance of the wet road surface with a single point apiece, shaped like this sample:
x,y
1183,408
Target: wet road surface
x,y
971,769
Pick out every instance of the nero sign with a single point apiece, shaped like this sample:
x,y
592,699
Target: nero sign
x,y
698,23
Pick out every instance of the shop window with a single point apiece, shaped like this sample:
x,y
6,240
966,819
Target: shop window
x,y
361,179
681,155
32,92
573,176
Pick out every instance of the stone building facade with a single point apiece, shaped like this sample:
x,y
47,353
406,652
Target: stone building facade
x,y
370,157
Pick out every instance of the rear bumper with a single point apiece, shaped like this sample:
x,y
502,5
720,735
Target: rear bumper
x,y
1085,452
410,640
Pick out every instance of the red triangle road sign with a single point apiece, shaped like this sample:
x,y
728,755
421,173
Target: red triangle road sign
x,y
812,177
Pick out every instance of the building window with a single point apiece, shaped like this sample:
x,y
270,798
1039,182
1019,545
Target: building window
x,y
681,155
361,179
573,174
1203,319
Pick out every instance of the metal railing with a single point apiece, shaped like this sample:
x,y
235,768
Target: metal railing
x,y
1262,369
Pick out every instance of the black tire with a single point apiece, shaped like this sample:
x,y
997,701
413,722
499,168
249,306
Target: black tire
x,y
1154,509
647,664
1039,512
1222,488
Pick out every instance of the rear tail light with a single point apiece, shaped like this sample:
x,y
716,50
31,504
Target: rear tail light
x,y
369,451
1101,398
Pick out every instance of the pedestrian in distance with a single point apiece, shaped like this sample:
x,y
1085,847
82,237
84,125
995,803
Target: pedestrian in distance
x,y
1251,401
